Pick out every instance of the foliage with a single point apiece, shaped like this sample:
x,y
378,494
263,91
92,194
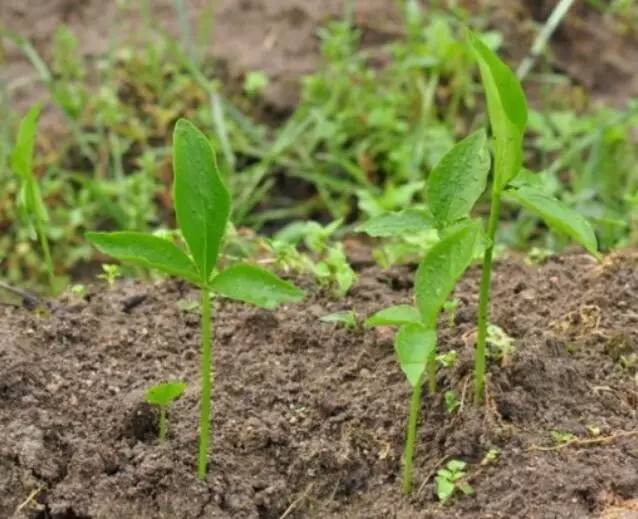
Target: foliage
x,y
162,395
451,479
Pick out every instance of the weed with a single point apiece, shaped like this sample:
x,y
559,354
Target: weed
x,y
346,318
202,206
110,273
452,402
162,395
451,479
561,438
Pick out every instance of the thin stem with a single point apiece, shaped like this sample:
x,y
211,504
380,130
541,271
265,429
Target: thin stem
x,y
408,454
162,425
207,374
484,298
44,243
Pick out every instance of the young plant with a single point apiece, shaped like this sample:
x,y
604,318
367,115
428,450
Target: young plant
x,y
507,111
454,186
30,205
162,395
450,479
202,206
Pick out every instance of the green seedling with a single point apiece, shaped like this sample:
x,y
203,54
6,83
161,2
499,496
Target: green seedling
x,y
447,359
507,111
501,345
202,206
110,273
450,479
255,83
450,307
562,438
162,395
30,205
452,402
491,456
453,188
347,319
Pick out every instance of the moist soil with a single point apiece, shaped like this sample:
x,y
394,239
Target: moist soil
x,y
309,417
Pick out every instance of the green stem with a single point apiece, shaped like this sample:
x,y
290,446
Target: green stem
x,y
484,298
408,454
430,368
207,374
162,424
44,243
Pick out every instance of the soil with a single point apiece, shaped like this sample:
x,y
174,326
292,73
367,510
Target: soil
x,y
309,417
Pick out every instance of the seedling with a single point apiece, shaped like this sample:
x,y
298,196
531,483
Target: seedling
x,y
450,479
507,111
501,345
30,205
347,319
491,456
453,188
162,395
110,273
447,359
451,402
202,205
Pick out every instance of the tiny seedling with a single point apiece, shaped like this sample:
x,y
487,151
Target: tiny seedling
x,y
501,345
450,479
110,273
507,112
450,307
347,318
452,402
447,359
491,456
202,206
162,395
454,186
30,205
562,438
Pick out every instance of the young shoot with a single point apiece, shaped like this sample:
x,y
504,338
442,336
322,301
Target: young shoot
x,y
450,479
202,206
30,205
162,395
454,186
507,111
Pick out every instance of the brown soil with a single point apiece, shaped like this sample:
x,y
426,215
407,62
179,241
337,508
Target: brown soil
x,y
279,37
309,417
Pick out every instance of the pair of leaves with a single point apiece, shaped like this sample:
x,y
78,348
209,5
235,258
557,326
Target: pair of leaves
x,y
163,394
202,205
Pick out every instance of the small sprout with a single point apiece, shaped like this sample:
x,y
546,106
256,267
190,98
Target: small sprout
x,y
447,359
452,402
162,395
347,318
538,256
450,307
110,273
78,290
561,438
593,430
188,305
255,83
491,456
501,345
450,479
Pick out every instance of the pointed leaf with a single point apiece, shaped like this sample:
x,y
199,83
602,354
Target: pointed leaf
x,y
164,394
255,286
22,155
557,216
507,110
396,224
442,267
394,316
459,178
202,201
414,346
147,251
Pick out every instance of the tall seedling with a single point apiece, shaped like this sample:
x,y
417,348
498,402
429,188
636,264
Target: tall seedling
x,y
507,110
454,186
30,205
202,206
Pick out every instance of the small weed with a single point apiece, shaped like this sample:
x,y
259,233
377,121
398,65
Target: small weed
x,y
561,438
491,456
452,402
110,273
162,395
347,318
451,479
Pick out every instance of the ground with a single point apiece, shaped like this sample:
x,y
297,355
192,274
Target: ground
x,y
309,417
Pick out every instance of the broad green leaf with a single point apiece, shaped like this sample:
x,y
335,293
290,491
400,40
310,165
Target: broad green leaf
x,y
507,110
164,394
202,201
459,178
147,251
441,268
394,316
414,345
397,224
22,155
255,286
557,215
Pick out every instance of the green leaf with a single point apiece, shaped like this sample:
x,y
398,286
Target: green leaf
x,y
441,268
394,316
164,394
348,318
507,110
202,201
414,346
459,178
147,251
255,286
444,488
557,215
397,224
22,155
